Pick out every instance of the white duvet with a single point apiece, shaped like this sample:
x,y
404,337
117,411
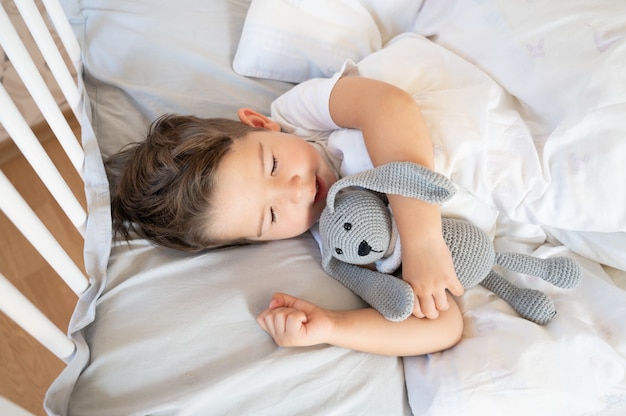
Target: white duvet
x,y
496,149
517,178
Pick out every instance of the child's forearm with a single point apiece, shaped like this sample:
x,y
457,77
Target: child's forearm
x,y
366,330
393,129
294,322
418,220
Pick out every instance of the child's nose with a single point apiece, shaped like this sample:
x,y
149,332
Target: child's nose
x,y
292,189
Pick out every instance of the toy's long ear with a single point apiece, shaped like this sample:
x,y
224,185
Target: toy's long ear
x,y
401,178
392,297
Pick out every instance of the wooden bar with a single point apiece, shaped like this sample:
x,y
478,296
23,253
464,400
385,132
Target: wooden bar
x,y
33,151
17,307
38,29
10,408
64,30
34,82
23,217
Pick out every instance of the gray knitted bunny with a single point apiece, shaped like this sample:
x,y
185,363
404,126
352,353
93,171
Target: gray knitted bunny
x,y
356,228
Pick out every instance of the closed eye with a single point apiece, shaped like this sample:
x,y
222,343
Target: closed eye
x,y
272,215
274,164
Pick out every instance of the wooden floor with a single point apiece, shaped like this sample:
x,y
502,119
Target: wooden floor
x,y
27,368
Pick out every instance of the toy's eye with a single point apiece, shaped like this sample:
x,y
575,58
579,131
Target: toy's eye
x,y
347,226
339,251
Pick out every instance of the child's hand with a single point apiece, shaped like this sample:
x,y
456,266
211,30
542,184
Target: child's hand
x,y
294,322
430,271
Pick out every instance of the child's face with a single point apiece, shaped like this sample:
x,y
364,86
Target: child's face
x,y
270,186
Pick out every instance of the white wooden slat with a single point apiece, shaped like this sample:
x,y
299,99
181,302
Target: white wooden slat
x,y
26,141
26,68
23,217
17,307
9,408
39,30
64,30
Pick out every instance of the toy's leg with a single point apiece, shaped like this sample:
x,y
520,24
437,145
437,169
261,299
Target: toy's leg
x,y
392,297
560,271
531,304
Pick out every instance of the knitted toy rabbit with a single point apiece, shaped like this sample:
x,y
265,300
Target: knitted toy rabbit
x,y
357,228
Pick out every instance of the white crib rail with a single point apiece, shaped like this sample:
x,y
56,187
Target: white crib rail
x,y
25,219
64,30
33,151
37,26
12,302
39,91
17,307
8,408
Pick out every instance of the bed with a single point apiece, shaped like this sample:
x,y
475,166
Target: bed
x,y
526,102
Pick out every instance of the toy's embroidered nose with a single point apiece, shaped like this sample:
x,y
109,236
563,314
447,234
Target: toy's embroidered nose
x,y
365,249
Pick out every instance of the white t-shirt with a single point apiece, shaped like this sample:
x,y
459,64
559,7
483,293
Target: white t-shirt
x,y
304,111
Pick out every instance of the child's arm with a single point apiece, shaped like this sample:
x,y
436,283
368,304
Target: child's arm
x,y
394,130
293,322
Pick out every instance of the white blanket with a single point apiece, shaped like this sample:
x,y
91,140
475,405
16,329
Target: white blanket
x,y
491,146
514,175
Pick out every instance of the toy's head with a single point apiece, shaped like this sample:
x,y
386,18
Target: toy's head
x,y
355,226
358,230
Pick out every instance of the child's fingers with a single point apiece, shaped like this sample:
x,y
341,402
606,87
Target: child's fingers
x,y
283,300
280,300
427,306
285,325
456,288
273,318
441,301
418,313
295,326
417,309
261,319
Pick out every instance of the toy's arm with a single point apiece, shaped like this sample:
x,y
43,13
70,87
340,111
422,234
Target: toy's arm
x,y
294,322
392,297
399,178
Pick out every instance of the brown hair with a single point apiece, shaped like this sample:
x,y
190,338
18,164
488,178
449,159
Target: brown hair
x,y
161,188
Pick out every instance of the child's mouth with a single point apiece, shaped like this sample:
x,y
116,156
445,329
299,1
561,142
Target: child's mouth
x,y
321,190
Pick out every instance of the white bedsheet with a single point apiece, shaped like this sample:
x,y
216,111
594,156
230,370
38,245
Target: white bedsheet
x,y
176,334
165,333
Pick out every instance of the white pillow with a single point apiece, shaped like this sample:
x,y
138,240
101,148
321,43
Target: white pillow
x,y
192,44
293,41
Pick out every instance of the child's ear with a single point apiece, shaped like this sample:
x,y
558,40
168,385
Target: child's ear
x,y
255,119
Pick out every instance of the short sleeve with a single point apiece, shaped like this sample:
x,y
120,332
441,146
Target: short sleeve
x,y
304,110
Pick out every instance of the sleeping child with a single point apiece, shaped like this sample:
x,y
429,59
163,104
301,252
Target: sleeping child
x,y
197,184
